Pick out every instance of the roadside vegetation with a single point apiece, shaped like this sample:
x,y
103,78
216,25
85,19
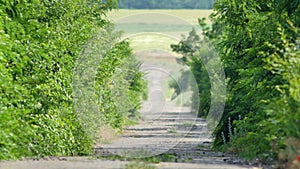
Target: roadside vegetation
x,y
139,165
40,42
259,45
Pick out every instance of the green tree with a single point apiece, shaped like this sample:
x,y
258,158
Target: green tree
x,y
258,43
196,55
39,44
242,33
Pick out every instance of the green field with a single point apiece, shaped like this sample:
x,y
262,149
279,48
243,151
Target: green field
x,y
191,16
151,33
156,29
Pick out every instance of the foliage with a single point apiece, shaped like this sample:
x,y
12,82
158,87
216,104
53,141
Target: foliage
x,y
181,84
285,110
121,99
139,165
196,55
258,44
39,44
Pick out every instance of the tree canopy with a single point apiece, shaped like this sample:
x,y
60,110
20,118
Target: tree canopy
x,y
258,43
40,42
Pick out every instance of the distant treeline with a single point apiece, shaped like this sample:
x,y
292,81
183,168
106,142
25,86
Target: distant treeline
x,y
166,4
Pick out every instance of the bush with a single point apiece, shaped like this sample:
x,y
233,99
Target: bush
x,y
258,43
196,55
40,42
258,46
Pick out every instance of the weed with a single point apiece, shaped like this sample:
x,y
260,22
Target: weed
x,y
188,124
165,157
172,130
289,157
139,165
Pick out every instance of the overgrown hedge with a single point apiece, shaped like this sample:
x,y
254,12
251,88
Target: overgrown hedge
x,y
259,44
39,44
196,54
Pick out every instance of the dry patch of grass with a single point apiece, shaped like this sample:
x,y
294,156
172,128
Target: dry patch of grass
x,y
150,41
288,158
139,165
107,134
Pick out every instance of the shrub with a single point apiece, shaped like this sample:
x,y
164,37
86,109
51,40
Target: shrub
x,y
40,42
